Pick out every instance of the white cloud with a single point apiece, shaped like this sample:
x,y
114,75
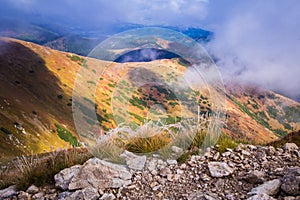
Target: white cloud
x,y
261,44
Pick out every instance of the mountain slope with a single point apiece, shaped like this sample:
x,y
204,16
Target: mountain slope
x,y
36,99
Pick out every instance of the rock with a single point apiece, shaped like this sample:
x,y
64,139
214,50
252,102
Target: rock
x,y
51,196
270,188
177,150
8,192
226,154
261,197
134,161
291,182
201,196
216,156
38,196
289,198
64,196
88,193
117,183
172,162
270,151
32,189
100,174
251,147
165,171
24,195
219,169
289,147
205,177
151,165
246,153
63,178
255,177
107,196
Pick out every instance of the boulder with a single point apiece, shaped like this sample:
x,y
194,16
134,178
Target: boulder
x,y
107,196
177,150
261,197
24,195
255,177
8,192
32,189
134,161
291,182
219,169
100,174
270,188
289,147
63,178
88,193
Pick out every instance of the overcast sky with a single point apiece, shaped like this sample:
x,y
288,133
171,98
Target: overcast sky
x,y
255,40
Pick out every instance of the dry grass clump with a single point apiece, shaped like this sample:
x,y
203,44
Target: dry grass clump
x,y
151,137
40,169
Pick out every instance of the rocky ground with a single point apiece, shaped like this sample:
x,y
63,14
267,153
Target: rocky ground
x,y
247,172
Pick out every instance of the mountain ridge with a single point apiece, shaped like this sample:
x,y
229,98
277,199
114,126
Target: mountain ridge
x,y
36,95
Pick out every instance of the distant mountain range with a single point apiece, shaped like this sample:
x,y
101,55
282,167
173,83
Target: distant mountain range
x,y
76,39
36,99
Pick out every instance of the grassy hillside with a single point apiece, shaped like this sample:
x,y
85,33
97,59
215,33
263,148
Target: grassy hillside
x,y
36,99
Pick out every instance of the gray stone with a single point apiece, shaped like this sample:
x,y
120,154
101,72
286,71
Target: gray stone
x,y
289,198
255,177
64,196
246,153
201,196
32,189
216,156
88,193
51,196
289,147
219,169
134,161
99,174
24,195
270,188
172,162
63,178
152,164
38,196
107,196
165,171
117,183
8,192
176,150
291,184
261,197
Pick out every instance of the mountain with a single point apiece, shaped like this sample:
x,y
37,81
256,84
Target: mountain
x,y
78,40
36,99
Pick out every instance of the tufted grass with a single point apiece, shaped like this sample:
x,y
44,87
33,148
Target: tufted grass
x,y
40,169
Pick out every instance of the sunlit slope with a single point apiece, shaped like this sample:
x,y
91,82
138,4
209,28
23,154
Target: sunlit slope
x,y
36,98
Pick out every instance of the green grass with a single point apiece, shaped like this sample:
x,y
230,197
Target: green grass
x,y
65,135
76,58
4,130
224,142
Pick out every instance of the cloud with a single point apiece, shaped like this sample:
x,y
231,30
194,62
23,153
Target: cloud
x,y
255,41
167,12
259,42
